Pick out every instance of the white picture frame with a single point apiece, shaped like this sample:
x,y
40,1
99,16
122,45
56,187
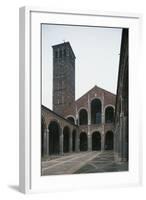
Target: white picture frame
x,y
30,179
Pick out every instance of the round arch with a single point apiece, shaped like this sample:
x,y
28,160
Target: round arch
x,y
54,133
66,135
83,141
83,117
96,110
71,118
96,141
109,114
109,140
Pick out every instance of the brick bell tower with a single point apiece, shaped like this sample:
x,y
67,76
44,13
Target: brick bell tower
x,y
63,77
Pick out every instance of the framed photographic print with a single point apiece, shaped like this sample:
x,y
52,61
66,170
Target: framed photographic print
x,y
79,115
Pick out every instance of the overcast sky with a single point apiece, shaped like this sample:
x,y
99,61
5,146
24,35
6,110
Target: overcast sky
x,y
97,57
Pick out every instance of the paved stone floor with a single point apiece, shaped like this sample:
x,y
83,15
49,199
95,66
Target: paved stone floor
x,y
67,164
103,163
84,162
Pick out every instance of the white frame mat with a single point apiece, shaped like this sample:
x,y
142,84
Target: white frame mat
x,y
30,112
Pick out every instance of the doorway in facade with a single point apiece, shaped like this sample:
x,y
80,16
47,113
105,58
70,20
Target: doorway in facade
x,y
83,142
96,141
54,132
109,140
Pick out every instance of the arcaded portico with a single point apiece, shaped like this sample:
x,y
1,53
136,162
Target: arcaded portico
x,y
59,135
91,128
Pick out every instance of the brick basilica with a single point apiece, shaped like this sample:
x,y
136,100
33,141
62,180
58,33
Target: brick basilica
x,y
85,124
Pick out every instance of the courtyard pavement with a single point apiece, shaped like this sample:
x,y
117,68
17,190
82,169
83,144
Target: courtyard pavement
x,y
84,162
103,163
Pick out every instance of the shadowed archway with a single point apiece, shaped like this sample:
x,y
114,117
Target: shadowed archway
x,y
66,134
43,127
83,141
96,141
54,133
109,140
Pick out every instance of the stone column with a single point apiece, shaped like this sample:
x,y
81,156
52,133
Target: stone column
x,y
121,137
115,143
103,114
44,143
70,142
125,144
120,132
47,141
89,142
77,142
103,118
77,117
89,111
102,141
61,142
103,137
118,142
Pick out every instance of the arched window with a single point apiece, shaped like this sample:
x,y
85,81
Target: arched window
x,y
83,141
109,140
71,119
54,132
109,115
66,134
96,108
96,141
83,117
